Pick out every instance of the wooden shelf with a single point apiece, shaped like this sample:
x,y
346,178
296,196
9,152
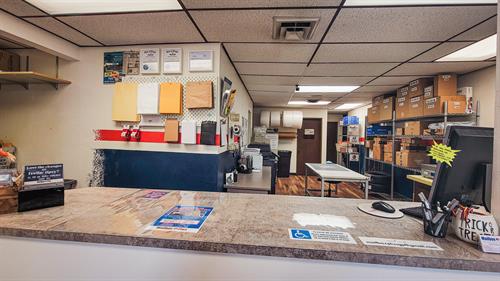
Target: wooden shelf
x,y
25,78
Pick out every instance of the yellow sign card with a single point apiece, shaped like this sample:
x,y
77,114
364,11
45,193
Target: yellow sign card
x,y
443,153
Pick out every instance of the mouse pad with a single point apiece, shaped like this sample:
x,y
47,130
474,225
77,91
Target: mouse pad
x,y
367,208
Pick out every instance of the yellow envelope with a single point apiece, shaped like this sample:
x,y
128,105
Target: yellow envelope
x,y
171,98
125,102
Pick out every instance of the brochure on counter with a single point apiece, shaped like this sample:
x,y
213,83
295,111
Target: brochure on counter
x,y
182,219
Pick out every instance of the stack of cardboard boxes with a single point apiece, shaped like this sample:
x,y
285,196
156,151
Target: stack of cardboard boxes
x,y
378,148
9,61
412,153
422,97
382,108
444,90
388,150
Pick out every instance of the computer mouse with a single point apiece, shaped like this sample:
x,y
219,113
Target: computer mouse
x,y
383,206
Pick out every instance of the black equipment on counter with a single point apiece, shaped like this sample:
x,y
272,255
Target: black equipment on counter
x,y
208,132
40,198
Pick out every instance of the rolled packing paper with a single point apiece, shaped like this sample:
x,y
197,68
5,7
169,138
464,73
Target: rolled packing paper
x,y
275,119
292,119
264,118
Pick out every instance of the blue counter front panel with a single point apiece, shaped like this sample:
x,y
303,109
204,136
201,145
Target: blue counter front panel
x,y
164,170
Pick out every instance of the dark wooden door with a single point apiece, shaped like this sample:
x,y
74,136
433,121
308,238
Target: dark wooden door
x,y
308,144
331,140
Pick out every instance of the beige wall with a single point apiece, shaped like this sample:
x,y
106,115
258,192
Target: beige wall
x,y
483,84
361,112
495,196
291,144
50,126
243,103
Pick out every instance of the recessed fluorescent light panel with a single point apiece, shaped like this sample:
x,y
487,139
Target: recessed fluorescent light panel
x,y
321,102
55,7
479,51
347,106
325,89
414,2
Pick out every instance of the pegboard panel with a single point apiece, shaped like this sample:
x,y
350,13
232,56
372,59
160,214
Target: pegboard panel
x,y
197,115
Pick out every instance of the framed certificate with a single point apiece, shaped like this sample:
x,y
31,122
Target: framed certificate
x,y
201,61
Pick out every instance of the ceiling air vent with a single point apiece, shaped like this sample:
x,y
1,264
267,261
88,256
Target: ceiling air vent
x,y
294,29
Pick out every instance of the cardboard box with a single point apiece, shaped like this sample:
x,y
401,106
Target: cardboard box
x,y
445,85
402,107
400,131
8,200
373,114
378,152
429,92
435,106
377,100
468,93
417,86
388,157
411,158
389,145
415,128
416,107
402,92
386,109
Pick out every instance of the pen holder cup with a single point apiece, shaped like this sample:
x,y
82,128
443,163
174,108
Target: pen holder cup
x,y
438,228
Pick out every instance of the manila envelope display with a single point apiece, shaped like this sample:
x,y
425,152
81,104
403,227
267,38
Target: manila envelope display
x,y
171,130
125,103
199,95
171,98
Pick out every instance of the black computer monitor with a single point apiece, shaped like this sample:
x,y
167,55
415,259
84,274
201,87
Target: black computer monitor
x,y
469,171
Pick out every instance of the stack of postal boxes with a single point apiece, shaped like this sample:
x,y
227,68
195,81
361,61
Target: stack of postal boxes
x,y
420,98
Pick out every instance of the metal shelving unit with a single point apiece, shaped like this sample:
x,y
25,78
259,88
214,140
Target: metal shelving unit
x,y
437,118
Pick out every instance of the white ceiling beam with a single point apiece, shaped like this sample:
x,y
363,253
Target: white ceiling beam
x,y
20,31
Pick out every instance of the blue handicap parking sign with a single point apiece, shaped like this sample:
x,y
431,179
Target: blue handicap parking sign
x,y
301,234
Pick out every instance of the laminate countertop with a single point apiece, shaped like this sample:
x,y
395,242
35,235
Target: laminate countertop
x,y
250,224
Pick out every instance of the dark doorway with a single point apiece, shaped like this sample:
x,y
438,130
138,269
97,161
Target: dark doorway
x,y
331,140
308,143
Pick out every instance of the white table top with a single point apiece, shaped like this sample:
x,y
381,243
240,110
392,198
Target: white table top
x,y
335,172
259,181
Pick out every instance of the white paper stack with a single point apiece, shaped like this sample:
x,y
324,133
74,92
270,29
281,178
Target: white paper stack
x,y
188,132
147,98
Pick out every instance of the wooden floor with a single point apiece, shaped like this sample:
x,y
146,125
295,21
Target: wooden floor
x,y
294,185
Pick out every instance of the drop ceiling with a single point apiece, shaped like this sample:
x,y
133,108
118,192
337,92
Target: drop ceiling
x,y
377,48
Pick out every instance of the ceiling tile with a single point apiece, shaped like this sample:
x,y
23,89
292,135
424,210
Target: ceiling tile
x,y
202,4
7,44
438,67
349,69
20,8
396,24
270,68
479,32
353,99
270,94
376,89
253,25
441,51
64,31
270,80
363,95
143,28
393,80
335,81
270,88
396,52
270,52
323,95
